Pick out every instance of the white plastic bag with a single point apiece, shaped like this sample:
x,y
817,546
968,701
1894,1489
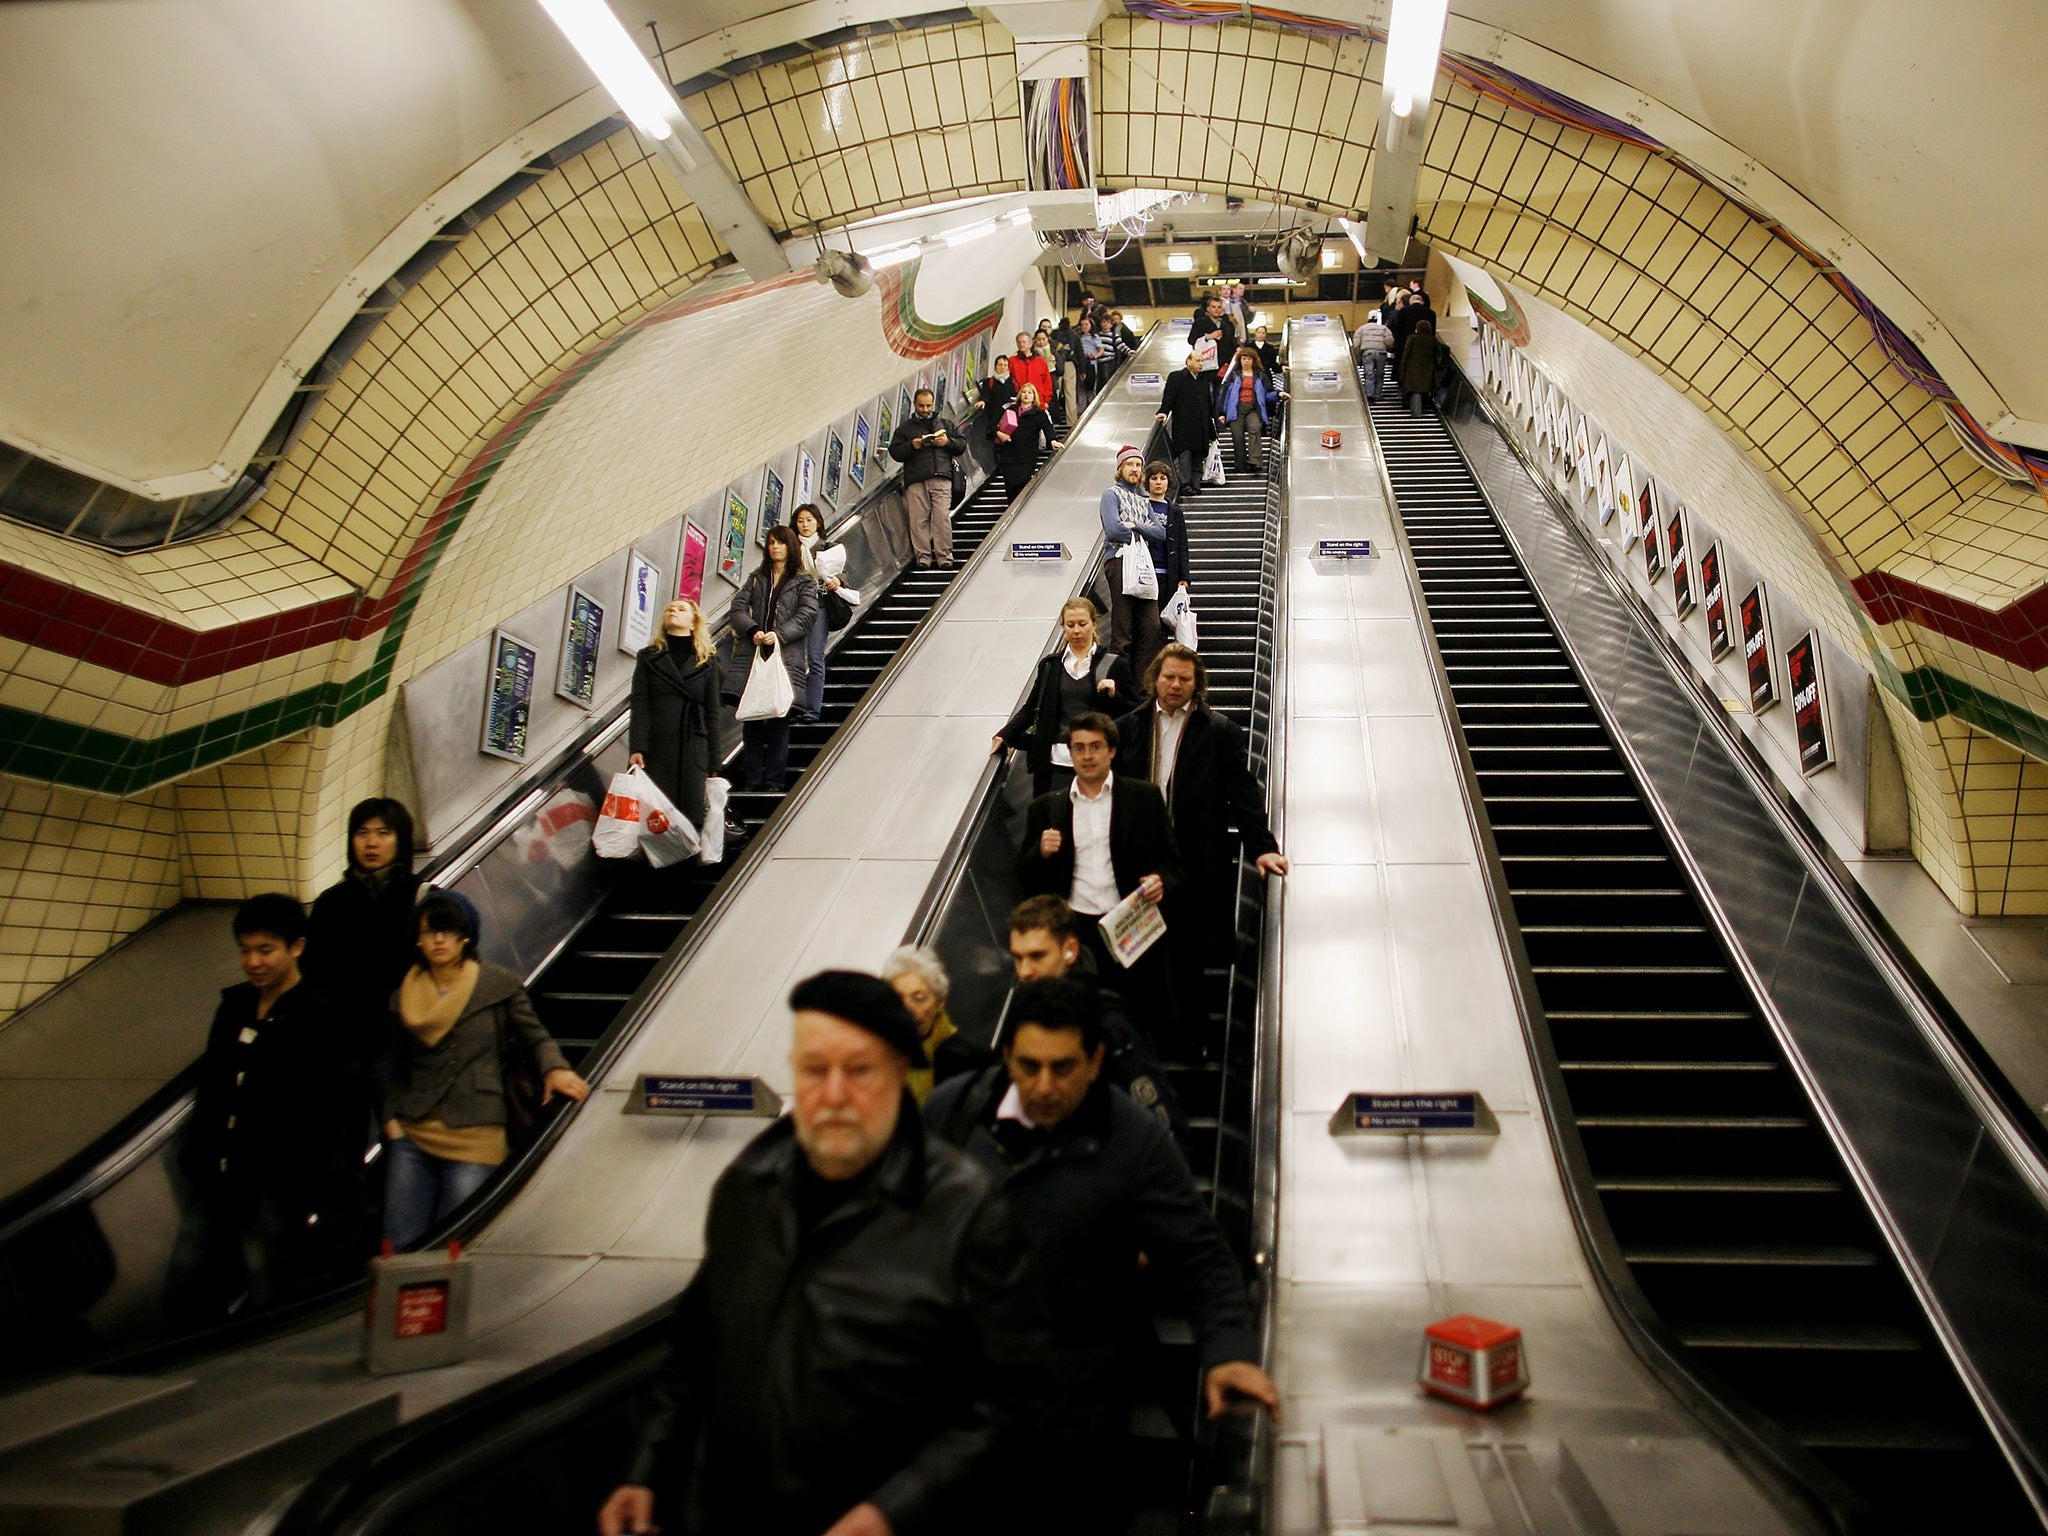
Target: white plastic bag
x,y
666,836
1178,615
769,694
617,835
1141,580
1171,610
711,841
1212,467
1185,630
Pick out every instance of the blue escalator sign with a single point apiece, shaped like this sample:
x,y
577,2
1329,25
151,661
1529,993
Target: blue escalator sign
x,y
1051,551
1343,549
657,1094
1148,381
1408,1114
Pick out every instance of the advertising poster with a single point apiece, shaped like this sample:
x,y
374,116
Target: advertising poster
x,y
582,629
732,552
1625,499
835,460
1603,480
771,499
643,596
696,552
1755,614
1543,416
806,477
1582,453
1715,601
885,426
863,440
903,405
1681,562
1809,703
508,701
1645,514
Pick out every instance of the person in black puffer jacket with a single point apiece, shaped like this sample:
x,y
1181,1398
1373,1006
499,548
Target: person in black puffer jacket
x,y
363,935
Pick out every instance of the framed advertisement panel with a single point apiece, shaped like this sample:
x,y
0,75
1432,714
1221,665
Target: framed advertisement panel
x,y
508,697
885,425
1714,600
835,466
1646,515
863,443
1755,617
1809,703
1681,561
732,547
696,555
642,600
582,633
1625,500
771,499
1603,479
1582,453
806,477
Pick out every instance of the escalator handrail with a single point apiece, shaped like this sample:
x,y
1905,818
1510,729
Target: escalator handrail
x,y
1783,1468
2013,1444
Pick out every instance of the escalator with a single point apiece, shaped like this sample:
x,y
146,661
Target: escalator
x,y
1707,1159
82,1262
541,1451
647,912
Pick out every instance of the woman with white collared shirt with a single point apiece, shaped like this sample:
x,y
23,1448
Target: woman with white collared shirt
x,y
1078,677
824,564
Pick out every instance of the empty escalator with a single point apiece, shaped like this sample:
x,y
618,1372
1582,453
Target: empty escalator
x,y
1728,1203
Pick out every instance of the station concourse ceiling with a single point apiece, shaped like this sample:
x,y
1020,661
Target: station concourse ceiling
x,y
199,192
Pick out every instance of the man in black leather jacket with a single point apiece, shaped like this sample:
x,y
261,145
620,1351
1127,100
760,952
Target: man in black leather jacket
x,y
857,1347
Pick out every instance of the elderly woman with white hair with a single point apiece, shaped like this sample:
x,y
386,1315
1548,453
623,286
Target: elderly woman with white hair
x,y
920,979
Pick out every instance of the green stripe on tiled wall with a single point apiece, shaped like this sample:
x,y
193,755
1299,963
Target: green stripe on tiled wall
x,y
1932,693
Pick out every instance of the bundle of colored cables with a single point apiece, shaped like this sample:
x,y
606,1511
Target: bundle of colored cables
x,y
1056,134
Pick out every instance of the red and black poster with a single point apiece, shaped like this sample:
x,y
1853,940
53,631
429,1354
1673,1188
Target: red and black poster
x,y
1646,519
1809,703
1756,650
1681,567
1716,601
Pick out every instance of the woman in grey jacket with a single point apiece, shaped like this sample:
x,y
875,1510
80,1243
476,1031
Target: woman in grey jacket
x,y
780,603
456,1021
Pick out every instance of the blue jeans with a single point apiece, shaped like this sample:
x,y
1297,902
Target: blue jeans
x,y
764,754
812,704
421,1191
1376,371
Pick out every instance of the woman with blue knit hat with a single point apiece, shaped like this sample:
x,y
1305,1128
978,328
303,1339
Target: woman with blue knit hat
x,y
1132,527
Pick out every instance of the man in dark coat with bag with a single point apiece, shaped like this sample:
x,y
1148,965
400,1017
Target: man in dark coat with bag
x,y
1197,758
858,1348
1187,409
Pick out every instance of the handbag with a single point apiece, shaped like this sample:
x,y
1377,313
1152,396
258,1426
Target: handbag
x,y
769,694
1212,467
521,1086
959,484
1141,580
837,610
1007,425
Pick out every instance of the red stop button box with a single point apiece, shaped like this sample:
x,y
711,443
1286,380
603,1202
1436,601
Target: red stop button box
x,y
1473,1361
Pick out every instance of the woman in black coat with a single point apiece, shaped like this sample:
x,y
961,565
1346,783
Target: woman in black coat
x,y
1077,677
1017,447
675,708
780,602
1418,366
998,394
362,935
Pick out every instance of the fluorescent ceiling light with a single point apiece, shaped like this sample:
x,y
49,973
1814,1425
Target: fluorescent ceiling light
x,y
1356,232
1283,282
1018,216
1179,261
967,232
895,255
1329,258
1415,36
617,62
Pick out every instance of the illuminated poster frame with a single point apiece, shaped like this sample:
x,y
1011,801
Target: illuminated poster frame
x,y
1714,599
1681,562
696,555
508,696
582,635
1755,615
1810,723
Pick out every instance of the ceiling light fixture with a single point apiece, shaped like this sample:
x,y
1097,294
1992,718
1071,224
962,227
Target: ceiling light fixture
x,y
1329,258
618,64
1415,38
1179,261
1356,232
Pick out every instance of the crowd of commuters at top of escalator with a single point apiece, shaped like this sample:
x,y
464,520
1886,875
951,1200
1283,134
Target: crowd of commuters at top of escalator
x,y
1397,347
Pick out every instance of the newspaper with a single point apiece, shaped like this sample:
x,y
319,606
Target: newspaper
x,y
1131,927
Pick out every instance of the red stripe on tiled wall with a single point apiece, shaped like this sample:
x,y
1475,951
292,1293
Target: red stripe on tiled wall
x,y
2017,633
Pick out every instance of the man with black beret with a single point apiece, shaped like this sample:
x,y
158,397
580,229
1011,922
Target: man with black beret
x,y
858,1347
